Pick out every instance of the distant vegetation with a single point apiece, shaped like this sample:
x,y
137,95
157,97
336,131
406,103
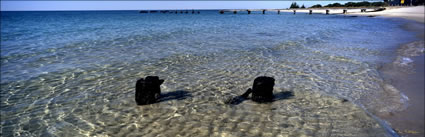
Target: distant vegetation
x,y
294,5
358,4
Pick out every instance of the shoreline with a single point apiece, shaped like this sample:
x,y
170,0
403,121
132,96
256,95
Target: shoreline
x,y
406,73
408,122
415,13
405,77
408,77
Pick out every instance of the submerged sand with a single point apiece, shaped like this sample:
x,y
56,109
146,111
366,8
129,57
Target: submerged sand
x,y
406,72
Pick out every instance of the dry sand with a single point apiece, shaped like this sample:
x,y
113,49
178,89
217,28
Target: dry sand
x,y
411,13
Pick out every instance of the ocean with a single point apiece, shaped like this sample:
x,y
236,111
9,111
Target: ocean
x,y
73,73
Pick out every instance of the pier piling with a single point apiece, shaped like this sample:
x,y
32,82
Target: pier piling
x,y
148,90
262,89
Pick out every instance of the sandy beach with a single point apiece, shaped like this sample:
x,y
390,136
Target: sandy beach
x,y
411,13
407,77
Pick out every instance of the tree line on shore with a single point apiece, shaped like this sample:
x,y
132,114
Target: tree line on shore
x,y
294,5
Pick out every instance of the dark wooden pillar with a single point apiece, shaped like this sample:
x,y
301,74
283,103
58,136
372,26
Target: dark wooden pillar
x,y
148,90
262,89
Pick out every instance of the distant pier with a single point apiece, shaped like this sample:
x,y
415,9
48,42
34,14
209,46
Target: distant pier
x,y
277,11
171,11
307,10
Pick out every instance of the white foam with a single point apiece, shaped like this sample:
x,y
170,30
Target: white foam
x,y
406,60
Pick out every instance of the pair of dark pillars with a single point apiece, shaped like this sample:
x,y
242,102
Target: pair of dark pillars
x,y
148,90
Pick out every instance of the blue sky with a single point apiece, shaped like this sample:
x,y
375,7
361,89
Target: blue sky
x,y
139,5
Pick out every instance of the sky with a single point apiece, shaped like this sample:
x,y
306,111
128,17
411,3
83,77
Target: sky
x,y
149,5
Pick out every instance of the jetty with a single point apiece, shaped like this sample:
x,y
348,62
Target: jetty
x,y
306,10
171,11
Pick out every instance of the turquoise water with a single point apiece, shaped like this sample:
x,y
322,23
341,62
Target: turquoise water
x,y
73,73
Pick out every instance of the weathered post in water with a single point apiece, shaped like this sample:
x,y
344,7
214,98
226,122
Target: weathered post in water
x,y
148,90
310,12
278,11
262,89
327,11
295,11
249,12
264,11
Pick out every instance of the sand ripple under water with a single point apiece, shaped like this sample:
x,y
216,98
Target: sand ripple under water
x,y
78,80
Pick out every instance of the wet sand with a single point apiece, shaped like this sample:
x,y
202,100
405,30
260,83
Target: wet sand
x,y
406,74
409,122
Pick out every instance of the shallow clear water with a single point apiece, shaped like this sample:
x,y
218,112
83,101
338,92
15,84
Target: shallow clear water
x,y
73,73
